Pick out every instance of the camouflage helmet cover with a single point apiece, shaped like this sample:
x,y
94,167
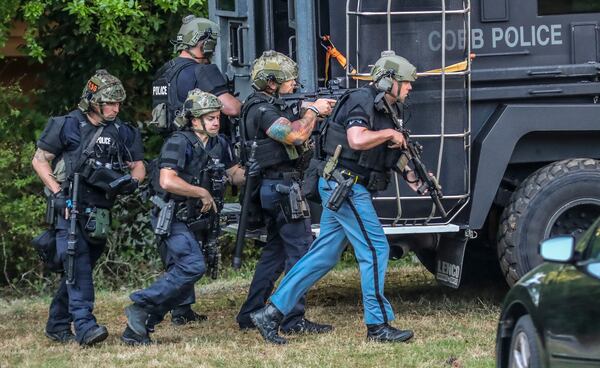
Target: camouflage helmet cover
x,y
272,65
200,103
194,29
394,66
102,87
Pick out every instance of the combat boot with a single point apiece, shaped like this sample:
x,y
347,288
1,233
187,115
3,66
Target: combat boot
x,y
386,333
306,326
64,337
153,320
188,317
131,338
136,332
267,320
94,336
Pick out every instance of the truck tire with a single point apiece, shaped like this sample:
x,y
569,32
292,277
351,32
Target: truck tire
x,y
560,198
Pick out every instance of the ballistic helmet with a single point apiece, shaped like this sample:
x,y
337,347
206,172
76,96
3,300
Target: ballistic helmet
x,y
102,87
275,66
195,29
200,103
394,66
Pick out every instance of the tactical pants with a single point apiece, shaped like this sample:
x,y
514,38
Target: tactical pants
x,y
356,221
286,244
168,260
186,267
74,303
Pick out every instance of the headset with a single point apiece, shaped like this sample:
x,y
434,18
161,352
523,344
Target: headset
x,y
385,82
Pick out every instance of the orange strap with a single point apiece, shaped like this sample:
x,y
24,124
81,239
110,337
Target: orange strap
x,y
332,51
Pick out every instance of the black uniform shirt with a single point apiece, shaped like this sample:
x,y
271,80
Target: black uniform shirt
x,y
209,79
359,111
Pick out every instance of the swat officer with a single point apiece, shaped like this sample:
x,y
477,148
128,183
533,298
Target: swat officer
x,y
107,155
279,135
195,42
183,165
369,149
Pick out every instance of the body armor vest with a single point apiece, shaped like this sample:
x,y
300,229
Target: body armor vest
x,y
379,158
109,153
194,171
269,152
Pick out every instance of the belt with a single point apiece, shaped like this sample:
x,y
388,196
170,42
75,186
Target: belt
x,y
282,175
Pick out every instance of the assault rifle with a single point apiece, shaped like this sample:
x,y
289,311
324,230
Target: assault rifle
x,y
72,237
210,247
333,91
412,155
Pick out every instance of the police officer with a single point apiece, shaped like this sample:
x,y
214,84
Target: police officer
x,y
280,135
195,42
369,149
183,162
107,154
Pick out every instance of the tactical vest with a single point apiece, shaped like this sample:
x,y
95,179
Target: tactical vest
x,y
194,171
165,101
269,152
109,152
379,158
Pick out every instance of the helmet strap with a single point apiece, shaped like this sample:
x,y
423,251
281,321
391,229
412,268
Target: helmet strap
x,y
202,130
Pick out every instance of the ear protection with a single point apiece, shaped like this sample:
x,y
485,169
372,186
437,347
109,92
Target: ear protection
x,y
385,82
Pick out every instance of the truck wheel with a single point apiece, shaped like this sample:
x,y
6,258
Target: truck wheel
x,y
561,198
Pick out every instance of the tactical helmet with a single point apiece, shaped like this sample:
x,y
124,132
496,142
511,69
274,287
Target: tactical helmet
x,y
102,87
195,29
394,66
274,66
200,103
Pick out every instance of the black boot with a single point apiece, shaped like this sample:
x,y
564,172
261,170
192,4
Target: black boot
x,y
267,320
306,326
188,316
136,319
131,338
63,337
153,320
94,336
387,333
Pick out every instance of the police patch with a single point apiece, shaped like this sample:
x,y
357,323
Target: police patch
x,y
92,87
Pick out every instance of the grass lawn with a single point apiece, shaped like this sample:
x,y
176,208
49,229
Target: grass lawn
x,y
452,329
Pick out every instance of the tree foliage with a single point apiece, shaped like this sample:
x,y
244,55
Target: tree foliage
x,y
120,27
71,39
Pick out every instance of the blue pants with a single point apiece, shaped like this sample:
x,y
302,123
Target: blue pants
x,y
356,221
169,261
186,267
75,303
286,244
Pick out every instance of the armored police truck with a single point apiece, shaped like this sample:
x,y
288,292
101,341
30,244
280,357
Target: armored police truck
x,y
505,108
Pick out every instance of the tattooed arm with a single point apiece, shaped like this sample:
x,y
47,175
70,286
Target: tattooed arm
x,y
297,132
41,164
